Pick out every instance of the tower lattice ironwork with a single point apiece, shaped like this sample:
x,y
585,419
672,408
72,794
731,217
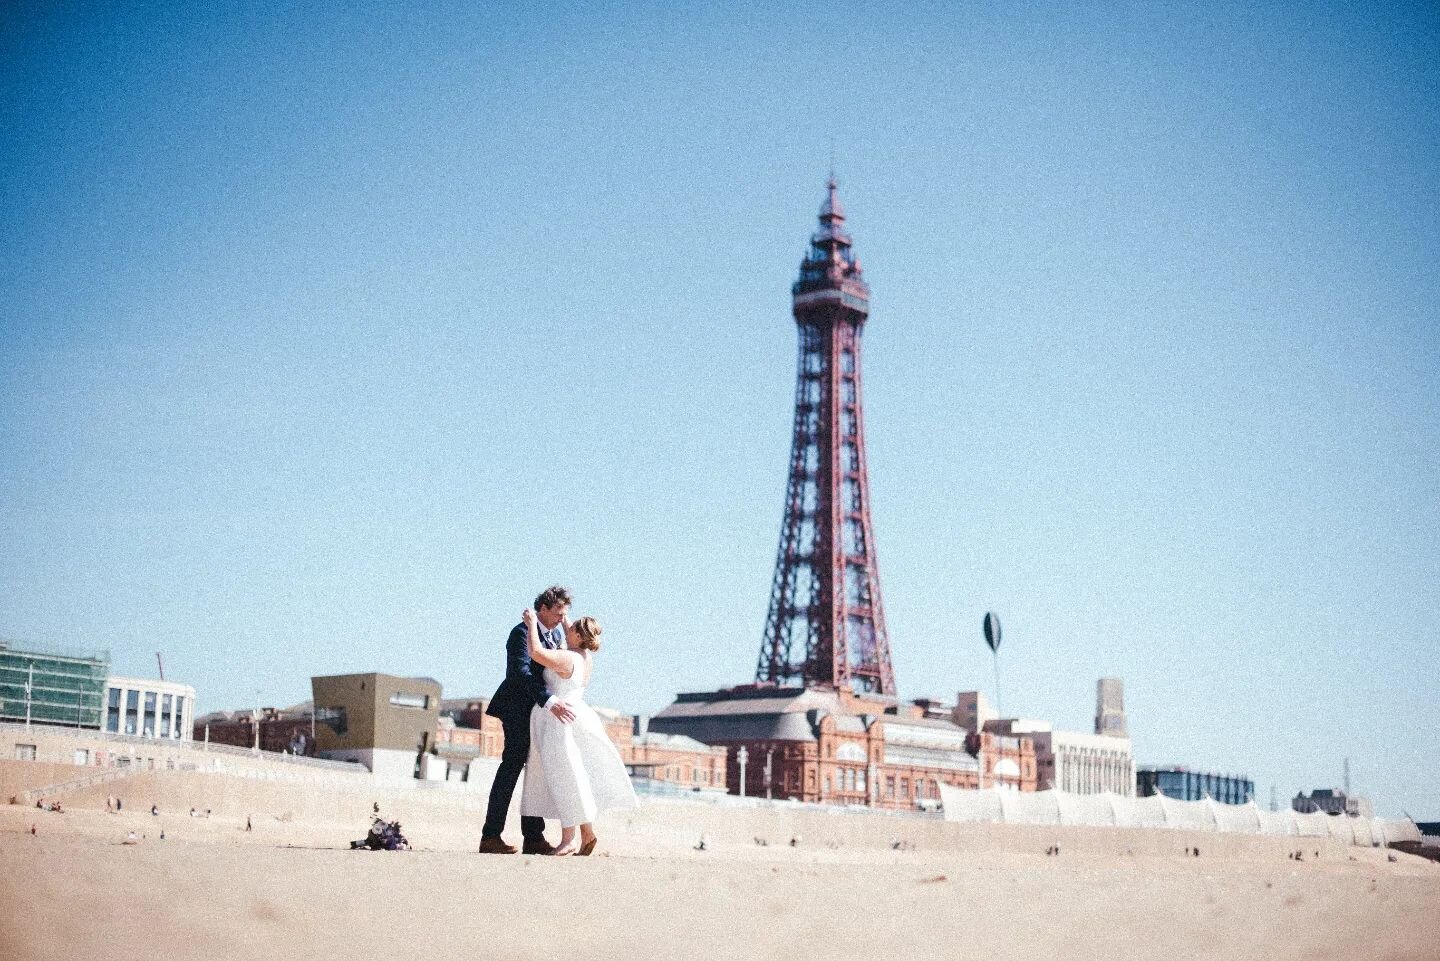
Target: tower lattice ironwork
x,y
826,592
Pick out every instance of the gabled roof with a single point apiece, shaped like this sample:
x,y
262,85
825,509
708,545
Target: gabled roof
x,y
723,728
730,704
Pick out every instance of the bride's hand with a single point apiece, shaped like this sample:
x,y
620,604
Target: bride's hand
x,y
528,617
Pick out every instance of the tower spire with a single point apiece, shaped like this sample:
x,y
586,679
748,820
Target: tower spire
x,y
826,590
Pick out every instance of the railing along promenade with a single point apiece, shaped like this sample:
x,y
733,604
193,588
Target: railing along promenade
x,y
203,748
66,787
133,755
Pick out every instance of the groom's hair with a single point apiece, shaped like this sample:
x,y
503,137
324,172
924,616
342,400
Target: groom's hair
x,y
552,596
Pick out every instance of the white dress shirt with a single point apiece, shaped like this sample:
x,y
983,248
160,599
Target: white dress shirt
x,y
556,637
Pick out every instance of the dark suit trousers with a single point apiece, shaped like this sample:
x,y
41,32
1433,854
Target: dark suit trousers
x,y
512,762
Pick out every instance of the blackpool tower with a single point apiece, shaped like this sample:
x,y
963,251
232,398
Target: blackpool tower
x,y
826,625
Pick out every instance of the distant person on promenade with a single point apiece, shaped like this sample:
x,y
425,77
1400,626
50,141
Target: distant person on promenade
x,y
580,772
522,689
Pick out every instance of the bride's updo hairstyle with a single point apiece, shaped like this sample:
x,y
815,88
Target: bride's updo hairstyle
x,y
589,630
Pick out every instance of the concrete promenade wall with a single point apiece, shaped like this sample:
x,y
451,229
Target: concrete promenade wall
x,y
19,776
448,817
333,802
57,745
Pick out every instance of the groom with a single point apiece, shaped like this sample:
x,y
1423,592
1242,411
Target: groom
x,y
522,689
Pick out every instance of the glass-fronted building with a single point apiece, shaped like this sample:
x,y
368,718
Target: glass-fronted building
x,y
1183,785
47,687
145,708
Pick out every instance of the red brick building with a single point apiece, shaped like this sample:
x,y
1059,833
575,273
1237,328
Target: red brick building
x,y
288,730
678,760
837,748
465,732
465,726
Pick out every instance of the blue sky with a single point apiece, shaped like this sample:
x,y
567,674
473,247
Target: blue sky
x,y
330,334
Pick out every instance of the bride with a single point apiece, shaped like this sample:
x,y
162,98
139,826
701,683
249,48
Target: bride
x,y
574,771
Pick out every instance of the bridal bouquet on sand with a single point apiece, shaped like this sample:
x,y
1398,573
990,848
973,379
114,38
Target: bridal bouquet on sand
x,y
384,836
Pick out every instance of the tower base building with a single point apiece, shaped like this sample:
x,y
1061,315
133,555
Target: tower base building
x,y
833,747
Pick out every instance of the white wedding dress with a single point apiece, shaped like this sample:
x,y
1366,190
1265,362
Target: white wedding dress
x,y
574,770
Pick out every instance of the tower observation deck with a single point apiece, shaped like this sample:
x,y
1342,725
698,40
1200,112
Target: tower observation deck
x,y
826,622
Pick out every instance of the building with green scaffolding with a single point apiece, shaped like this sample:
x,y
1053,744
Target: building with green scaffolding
x,y
47,687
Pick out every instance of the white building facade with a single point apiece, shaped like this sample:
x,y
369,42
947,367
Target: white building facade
x,y
1083,763
144,708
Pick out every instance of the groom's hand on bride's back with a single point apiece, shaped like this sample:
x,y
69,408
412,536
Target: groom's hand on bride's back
x,y
562,712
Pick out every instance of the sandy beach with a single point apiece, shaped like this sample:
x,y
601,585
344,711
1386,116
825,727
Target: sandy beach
x,y
851,886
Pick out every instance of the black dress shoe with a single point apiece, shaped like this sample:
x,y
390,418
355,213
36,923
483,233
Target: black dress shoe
x,y
537,846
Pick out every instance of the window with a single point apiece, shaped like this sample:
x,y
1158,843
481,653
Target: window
x,y
24,752
418,701
132,711
904,787
112,711
890,785
179,713
334,717
149,727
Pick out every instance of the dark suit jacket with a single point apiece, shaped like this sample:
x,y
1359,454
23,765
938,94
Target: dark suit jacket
x,y
523,685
